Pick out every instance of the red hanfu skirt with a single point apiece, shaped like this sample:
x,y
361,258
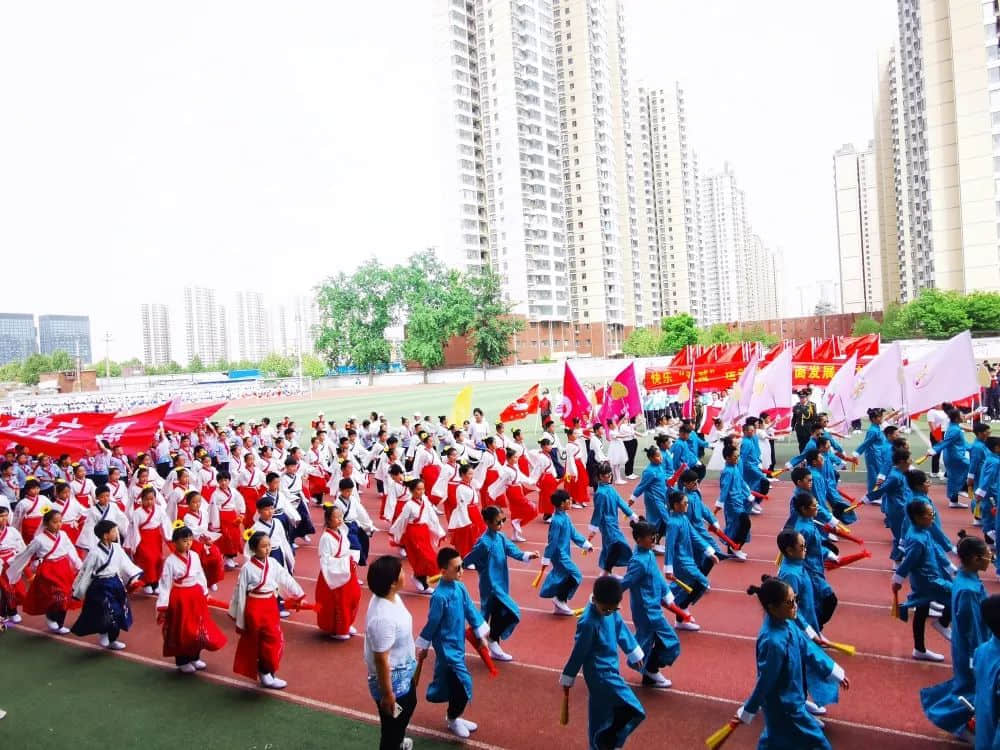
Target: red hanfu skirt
x,y
11,596
317,485
250,496
72,530
207,492
261,640
149,555
29,527
450,502
484,494
211,561
521,509
231,541
51,590
579,486
524,465
419,550
337,609
188,628
546,486
430,474
464,539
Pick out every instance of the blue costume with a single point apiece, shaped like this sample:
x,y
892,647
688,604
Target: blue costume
x,y
783,654
838,505
968,631
750,463
936,532
734,494
873,447
987,491
955,454
678,559
647,589
928,569
701,518
614,549
490,558
986,668
822,494
816,553
564,576
895,495
595,650
683,454
450,608
652,488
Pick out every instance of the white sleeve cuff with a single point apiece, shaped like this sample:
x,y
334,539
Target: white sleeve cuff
x,y
896,578
788,465
593,529
810,632
669,598
970,477
668,570
745,716
931,452
635,655
634,518
709,549
421,643
880,478
546,562
855,455
588,546
980,493
482,630
838,672
566,681
525,556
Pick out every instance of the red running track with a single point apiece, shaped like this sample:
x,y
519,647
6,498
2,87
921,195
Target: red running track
x,y
714,673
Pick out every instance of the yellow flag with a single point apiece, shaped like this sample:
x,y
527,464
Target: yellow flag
x,y
462,408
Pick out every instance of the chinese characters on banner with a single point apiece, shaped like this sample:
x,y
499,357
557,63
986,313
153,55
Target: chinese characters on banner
x,y
56,433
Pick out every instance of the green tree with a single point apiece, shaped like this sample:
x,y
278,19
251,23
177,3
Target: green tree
x,y
715,334
643,342
678,331
313,366
10,372
33,366
355,311
446,310
277,365
492,326
893,325
60,361
195,365
865,326
935,314
983,310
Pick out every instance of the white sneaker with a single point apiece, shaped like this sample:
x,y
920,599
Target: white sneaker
x,y
470,567
497,652
407,744
958,505
199,664
576,506
634,476
457,728
352,630
214,587
519,537
422,588
188,668
306,539
345,637
739,554
16,619
814,709
656,680
103,641
621,481
62,631
116,645
284,613
53,626
470,725
755,509
945,632
561,607
927,656
271,682
688,625
147,589
230,564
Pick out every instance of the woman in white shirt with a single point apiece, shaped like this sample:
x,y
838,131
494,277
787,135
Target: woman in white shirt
x,y
390,654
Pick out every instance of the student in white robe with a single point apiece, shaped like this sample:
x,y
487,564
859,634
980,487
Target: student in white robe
x,y
102,510
11,592
149,529
338,593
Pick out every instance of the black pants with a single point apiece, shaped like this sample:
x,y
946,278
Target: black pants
x,y
707,564
935,463
765,487
621,717
920,615
742,528
500,618
565,589
631,447
802,434
180,661
774,455
394,728
457,699
826,609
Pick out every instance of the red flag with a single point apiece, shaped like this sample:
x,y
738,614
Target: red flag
x,y
71,433
574,403
135,432
525,405
185,421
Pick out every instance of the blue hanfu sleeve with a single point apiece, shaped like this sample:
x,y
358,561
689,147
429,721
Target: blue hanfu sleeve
x,y
626,641
512,550
478,555
556,539
633,573
913,555
582,645
670,545
770,657
434,614
575,536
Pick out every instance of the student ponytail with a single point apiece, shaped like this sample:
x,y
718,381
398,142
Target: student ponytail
x,y
770,593
969,547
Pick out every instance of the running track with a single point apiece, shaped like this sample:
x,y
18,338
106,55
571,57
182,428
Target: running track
x,y
714,673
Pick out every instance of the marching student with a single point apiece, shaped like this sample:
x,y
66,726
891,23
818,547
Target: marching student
x,y
930,579
544,476
73,512
783,654
102,510
941,703
576,479
954,451
101,584
419,532
986,672
466,525
427,465
508,490
489,558
652,488
595,454
82,488
701,518
177,492
895,494
872,447
119,490
648,592
338,593
226,513
978,452
50,591
564,579
182,606
920,487
617,455
750,461
205,540
148,530
28,512
443,490
293,492
615,551
256,610
450,609
357,523
679,559
736,500
987,489
11,592
280,548
613,711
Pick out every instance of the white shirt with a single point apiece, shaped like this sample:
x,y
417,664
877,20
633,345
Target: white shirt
x,y
388,628
183,572
105,562
261,579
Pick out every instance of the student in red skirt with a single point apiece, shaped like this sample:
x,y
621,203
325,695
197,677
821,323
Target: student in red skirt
x,y
11,592
338,593
466,522
74,514
28,512
419,532
254,607
50,592
486,472
148,530
427,465
82,488
543,475
518,446
205,540
226,512
182,606
443,491
396,494
576,467
510,485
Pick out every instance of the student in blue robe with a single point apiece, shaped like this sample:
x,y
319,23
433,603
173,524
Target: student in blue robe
x,y
615,550
701,518
978,452
929,571
816,462
838,505
750,461
451,608
968,631
895,494
817,552
955,454
920,487
648,592
694,448
872,448
613,711
986,672
679,559
489,556
564,577
652,488
736,500
783,656
988,489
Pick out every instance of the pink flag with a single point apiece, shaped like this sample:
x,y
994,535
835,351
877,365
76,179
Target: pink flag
x,y
772,391
574,404
879,384
621,396
948,373
738,405
839,394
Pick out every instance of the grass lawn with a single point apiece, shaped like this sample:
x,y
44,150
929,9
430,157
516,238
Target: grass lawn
x,y
87,698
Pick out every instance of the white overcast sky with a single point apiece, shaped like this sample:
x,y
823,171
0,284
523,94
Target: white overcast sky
x,y
261,146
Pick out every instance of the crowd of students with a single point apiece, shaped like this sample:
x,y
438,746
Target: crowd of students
x,y
174,521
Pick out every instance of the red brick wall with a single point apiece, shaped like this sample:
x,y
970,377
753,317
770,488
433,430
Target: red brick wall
x,y
839,324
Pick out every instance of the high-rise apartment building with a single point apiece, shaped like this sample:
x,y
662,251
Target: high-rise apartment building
x,y
291,322
855,181
17,337
253,333
155,334
940,92
205,326
646,235
68,333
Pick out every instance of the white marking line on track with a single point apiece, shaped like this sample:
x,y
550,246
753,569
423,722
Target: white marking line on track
x,y
282,694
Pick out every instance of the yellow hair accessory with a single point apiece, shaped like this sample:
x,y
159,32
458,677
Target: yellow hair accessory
x,y
328,504
31,477
75,464
147,486
178,524
408,478
247,534
46,509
